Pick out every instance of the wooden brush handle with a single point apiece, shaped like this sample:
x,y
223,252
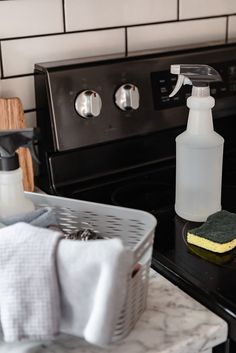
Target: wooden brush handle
x,y
12,117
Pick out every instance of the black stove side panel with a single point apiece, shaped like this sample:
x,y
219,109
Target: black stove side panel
x,y
47,138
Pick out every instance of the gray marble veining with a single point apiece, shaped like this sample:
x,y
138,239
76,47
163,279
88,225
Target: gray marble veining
x,y
172,323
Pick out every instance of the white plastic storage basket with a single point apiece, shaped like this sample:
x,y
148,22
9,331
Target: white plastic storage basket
x,y
134,227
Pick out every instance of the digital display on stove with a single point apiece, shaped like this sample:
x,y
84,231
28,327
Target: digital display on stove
x,y
163,84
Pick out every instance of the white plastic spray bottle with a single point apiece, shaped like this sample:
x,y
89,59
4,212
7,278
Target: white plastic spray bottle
x,y
199,149
12,198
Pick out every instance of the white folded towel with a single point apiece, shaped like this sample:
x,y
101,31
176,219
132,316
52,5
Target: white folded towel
x,y
93,280
29,294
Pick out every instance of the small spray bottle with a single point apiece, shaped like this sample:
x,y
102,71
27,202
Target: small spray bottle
x,y
199,149
12,198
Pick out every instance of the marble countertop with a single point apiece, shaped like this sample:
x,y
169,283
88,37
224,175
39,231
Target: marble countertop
x,y
172,323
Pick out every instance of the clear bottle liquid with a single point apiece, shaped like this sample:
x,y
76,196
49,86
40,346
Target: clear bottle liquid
x,y
13,201
199,157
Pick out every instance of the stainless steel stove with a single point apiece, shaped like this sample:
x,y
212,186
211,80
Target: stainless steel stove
x,y
108,135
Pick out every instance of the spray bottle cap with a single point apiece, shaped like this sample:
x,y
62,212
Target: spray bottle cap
x,y
199,76
10,141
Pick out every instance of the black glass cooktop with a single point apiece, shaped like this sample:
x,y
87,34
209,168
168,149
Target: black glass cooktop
x,y
208,277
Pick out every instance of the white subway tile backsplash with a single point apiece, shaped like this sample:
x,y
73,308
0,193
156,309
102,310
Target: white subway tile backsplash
x,y
42,21
232,29
177,34
86,14
203,8
27,17
22,87
20,55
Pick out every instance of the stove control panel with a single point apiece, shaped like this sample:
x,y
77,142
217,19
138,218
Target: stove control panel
x,y
127,97
88,104
163,83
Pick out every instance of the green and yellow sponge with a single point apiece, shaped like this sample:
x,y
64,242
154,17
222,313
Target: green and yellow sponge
x,y
217,234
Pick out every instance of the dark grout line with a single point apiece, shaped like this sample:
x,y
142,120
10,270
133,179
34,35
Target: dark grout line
x,y
60,33
205,18
16,76
64,15
1,63
227,30
32,36
175,21
29,110
177,10
126,42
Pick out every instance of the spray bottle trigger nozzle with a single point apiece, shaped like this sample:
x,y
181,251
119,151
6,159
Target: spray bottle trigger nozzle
x,y
182,80
30,144
33,152
178,85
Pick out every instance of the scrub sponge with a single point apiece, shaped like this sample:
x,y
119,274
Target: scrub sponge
x,y
217,234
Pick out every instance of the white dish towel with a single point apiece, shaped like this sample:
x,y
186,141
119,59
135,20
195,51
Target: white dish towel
x,y
29,293
93,280
34,264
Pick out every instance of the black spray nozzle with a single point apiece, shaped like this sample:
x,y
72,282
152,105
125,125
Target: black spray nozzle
x,y
10,141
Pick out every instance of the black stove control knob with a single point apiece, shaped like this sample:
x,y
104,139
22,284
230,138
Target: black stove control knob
x,y
88,104
127,97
